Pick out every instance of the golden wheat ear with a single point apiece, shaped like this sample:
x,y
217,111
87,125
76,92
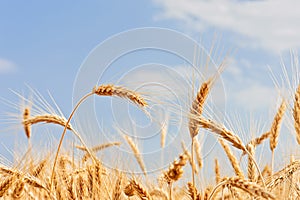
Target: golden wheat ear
x,y
250,187
275,129
296,113
136,152
112,90
232,158
27,128
96,148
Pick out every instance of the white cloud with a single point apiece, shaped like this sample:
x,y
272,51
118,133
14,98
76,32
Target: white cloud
x,y
272,24
255,97
6,66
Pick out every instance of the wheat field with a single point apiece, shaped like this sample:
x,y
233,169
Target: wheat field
x,y
63,176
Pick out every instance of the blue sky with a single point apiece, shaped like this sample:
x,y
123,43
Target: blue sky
x,y
43,44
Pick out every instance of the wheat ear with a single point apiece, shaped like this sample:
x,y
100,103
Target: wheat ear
x,y
275,128
96,148
175,170
251,165
247,186
193,192
197,106
117,189
159,193
257,141
217,171
233,160
27,128
136,152
197,149
136,188
112,90
296,114
283,175
5,185
223,132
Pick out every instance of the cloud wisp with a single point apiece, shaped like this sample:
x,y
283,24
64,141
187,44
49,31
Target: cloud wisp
x,y
273,25
6,66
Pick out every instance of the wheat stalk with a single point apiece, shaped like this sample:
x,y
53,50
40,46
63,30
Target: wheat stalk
x,y
187,153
